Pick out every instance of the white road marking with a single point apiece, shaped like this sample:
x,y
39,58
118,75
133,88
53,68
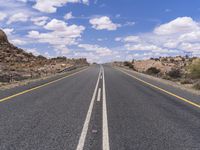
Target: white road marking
x,y
82,138
105,136
99,95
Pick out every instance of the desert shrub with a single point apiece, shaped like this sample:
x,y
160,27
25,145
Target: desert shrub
x,y
166,77
171,60
194,69
186,81
197,85
153,71
128,64
174,73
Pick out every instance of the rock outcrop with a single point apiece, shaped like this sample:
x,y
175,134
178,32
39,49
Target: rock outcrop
x,y
164,64
17,64
3,37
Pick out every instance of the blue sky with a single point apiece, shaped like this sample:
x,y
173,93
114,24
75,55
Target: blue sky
x,y
103,30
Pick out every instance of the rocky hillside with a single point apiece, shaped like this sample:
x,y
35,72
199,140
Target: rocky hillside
x,y
16,64
184,70
164,64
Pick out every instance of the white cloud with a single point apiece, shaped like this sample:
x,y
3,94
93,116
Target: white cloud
x,y
24,1
102,51
103,23
129,23
18,17
2,16
61,35
61,28
18,42
91,57
33,51
132,39
177,37
50,6
177,26
8,31
146,47
118,39
40,21
85,2
68,16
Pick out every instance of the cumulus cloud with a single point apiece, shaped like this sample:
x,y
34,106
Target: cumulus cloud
x,y
61,35
101,51
128,39
40,21
33,51
8,31
2,16
68,16
103,23
177,37
18,17
50,6
179,25
18,42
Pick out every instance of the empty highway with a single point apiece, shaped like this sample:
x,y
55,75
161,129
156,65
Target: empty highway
x,y
99,108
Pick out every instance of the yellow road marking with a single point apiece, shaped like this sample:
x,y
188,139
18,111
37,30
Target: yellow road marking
x,y
156,87
38,87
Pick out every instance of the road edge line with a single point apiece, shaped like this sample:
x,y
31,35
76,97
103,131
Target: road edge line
x,y
161,89
40,86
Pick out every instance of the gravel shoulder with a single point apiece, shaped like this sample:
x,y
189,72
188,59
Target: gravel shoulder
x,y
185,87
6,86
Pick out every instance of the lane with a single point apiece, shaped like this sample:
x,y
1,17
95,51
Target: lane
x,y
49,118
94,134
98,135
141,117
4,94
82,138
183,93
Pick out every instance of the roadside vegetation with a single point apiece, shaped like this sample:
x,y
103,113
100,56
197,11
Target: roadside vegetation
x,y
183,70
153,71
194,73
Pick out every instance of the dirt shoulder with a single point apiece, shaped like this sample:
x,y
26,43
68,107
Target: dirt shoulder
x,y
5,86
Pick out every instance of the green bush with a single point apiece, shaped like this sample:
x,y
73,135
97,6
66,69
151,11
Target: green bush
x,y
194,69
197,85
153,71
128,64
174,73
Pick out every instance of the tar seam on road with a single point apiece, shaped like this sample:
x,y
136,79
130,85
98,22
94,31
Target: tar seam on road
x,y
105,140
165,91
82,138
38,87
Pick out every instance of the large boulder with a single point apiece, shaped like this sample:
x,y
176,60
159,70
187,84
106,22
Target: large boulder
x,y
3,37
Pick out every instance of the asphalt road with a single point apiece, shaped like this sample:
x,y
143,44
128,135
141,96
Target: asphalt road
x,y
100,108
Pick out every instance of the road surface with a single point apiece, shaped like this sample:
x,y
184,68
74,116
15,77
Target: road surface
x,y
99,108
